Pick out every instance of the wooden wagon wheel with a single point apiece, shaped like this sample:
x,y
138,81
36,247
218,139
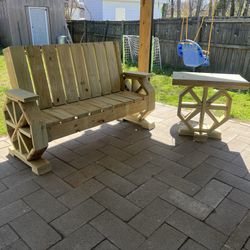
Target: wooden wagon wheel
x,y
19,130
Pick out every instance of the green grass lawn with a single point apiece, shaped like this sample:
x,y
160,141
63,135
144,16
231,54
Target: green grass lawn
x,y
165,93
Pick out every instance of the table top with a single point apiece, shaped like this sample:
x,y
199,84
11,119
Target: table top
x,y
215,80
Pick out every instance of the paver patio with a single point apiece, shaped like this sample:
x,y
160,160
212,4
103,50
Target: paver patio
x,y
120,187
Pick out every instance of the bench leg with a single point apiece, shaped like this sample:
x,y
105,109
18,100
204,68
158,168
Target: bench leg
x,y
27,134
141,120
39,167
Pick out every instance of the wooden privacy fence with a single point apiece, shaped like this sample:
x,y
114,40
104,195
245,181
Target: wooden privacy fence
x,y
230,46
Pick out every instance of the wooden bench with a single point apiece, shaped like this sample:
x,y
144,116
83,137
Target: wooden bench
x,y
58,90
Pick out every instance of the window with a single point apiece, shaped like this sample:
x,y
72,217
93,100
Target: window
x,y
120,14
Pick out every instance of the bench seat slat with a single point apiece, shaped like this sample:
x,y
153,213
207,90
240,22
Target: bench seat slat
x,y
130,95
83,108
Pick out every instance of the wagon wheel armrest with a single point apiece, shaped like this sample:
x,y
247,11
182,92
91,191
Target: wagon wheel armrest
x,y
20,95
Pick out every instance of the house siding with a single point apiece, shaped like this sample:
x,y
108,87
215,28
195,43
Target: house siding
x,y
132,9
95,8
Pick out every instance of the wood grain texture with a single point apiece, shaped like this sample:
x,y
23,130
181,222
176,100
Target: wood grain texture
x,y
54,75
81,71
93,75
68,74
39,76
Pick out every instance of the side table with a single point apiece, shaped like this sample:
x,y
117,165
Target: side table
x,y
205,105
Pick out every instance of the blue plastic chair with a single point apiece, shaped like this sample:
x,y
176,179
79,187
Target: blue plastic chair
x,y
192,54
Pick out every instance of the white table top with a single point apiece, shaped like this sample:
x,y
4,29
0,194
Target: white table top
x,y
210,80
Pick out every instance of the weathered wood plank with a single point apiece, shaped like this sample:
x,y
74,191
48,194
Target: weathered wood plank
x,y
92,69
39,76
81,71
113,67
102,64
68,74
54,75
18,68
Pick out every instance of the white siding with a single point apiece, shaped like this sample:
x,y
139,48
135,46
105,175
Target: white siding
x,y
95,9
132,9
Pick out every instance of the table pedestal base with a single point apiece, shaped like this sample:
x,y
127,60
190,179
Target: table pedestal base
x,y
201,107
199,136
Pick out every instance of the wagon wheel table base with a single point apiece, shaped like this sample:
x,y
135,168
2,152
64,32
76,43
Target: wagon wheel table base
x,y
206,105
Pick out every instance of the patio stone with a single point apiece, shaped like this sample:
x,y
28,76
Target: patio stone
x,y
17,192
171,167
35,232
227,166
7,236
116,153
178,183
239,237
77,178
85,238
151,217
226,216
234,181
105,245
18,178
165,237
116,166
213,193
53,184
81,193
2,187
202,174
6,169
143,174
77,217
139,159
217,153
139,146
116,182
61,168
45,205
187,203
240,197
115,203
16,245
193,159
147,192
118,232
192,245
197,230
13,211
165,152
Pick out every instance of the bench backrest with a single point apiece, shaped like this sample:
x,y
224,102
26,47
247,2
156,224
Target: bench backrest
x,y
62,74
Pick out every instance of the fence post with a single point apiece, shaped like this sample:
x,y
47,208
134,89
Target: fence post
x,y
246,68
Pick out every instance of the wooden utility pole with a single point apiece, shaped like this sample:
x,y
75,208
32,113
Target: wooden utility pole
x,y
146,21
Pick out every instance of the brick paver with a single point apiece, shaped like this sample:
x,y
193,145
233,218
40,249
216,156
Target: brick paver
x,y
77,217
118,186
118,232
35,232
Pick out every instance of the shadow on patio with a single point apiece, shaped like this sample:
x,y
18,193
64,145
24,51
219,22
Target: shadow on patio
x,y
120,187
